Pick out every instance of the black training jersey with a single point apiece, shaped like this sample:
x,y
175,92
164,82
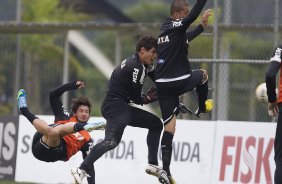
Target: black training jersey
x,y
128,78
270,76
55,101
172,62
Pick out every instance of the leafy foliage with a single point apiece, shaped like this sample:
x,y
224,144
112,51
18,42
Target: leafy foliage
x,y
148,11
49,11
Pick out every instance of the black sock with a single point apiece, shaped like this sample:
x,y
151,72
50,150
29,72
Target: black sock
x,y
79,126
153,140
202,91
31,117
166,145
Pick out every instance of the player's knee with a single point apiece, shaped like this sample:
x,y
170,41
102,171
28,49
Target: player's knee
x,y
158,125
205,76
52,132
170,125
170,129
110,143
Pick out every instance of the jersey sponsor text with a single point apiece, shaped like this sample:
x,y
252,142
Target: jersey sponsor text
x,y
163,39
135,74
177,23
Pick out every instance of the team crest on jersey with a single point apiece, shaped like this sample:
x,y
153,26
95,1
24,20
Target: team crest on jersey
x,y
160,61
122,64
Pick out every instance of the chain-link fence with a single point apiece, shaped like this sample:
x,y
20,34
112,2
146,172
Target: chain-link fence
x,y
243,36
233,91
234,49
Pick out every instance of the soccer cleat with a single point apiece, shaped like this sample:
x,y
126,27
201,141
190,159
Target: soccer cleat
x,y
21,98
95,126
199,113
78,175
171,180
163,179
158,172
208,107
183,109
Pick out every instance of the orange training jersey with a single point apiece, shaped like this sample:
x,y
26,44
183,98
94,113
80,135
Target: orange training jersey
x,y
76,140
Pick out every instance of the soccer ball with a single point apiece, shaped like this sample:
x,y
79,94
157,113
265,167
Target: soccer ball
x,y
261,94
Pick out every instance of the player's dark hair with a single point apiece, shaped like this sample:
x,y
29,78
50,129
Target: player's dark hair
x,y
177,6
146,41
81,100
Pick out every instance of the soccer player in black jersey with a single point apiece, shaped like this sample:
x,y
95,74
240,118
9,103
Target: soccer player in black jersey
x,y
173,74
275,107
125,87
69,133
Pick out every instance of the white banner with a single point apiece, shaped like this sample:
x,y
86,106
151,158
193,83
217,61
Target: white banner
x,y
191,158
193,145
204,152
243,153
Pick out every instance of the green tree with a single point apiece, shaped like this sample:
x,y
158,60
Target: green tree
x,y
148,11
6,73
42,61
144,11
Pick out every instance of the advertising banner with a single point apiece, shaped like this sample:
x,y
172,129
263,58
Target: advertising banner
x,y
192,149
204,152
191,157
243,153
8,146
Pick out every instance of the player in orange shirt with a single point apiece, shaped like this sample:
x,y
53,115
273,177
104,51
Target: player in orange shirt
x,y
69,133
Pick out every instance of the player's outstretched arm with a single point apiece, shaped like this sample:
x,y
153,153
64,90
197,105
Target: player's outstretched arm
x,y
55,101
205,17
200,28
194,13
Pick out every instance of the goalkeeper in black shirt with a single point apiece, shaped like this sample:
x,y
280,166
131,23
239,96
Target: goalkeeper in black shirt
x,y
173,73
125,87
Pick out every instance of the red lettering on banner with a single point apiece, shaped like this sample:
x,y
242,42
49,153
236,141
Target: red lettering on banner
x,y
248,160
254,155
238,157
264,159
226,159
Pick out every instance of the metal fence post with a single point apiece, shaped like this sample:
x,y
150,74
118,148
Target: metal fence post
x,y
215,56
276,22
18,58
66,67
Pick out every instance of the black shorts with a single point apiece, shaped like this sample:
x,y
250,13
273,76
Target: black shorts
x,y
119,114
169,92
48,154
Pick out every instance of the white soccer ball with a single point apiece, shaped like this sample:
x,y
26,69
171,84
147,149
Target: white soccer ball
x,y
261,94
